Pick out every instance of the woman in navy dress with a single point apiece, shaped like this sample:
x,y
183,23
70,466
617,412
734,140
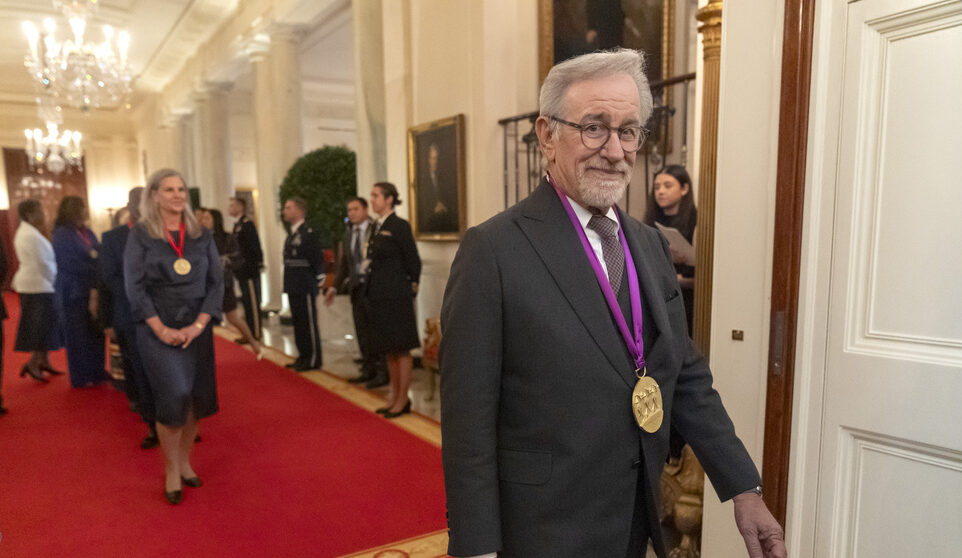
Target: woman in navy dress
x,y
392,284
76,248
173,279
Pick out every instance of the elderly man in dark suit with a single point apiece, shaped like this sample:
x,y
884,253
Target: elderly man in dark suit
x,y
565,357
119,319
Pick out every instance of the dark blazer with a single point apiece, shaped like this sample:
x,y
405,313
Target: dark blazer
x,y
252,258
540,448
303,261
395,263
345,258
112,276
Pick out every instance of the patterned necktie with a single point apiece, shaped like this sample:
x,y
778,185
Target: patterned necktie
x,y
610,248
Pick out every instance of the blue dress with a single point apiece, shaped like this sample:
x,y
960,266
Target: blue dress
x,y
180,379
76,250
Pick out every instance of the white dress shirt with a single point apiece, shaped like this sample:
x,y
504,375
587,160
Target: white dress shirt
x,y
38,265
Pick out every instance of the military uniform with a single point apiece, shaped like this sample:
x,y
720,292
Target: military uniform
x,y
303,271
248,272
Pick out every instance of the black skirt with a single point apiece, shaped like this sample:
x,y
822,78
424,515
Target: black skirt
x,y
394,328
39,328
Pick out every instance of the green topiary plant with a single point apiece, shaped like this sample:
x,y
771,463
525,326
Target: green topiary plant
x,y
326,178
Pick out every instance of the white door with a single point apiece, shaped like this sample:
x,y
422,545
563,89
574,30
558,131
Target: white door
x,y
877,471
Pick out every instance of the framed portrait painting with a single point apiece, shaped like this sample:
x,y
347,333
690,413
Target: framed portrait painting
x,y
567,28
436,179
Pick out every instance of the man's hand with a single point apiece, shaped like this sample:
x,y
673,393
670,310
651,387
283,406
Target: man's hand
x,y
763,535
329,296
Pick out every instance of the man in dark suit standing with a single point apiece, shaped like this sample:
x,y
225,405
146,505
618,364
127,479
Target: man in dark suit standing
x,y
303,272
120,321
565,357
350,279
248,273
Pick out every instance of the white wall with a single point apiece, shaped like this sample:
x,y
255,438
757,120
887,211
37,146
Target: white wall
x,y
744,232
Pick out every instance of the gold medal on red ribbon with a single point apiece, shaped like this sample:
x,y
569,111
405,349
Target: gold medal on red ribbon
x,y
181,266
646,404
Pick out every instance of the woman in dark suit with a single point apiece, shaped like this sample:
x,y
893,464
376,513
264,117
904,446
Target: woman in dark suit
x,y
76,248
392,284
173,280
39,328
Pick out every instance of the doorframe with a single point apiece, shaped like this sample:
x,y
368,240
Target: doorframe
x,y
787,249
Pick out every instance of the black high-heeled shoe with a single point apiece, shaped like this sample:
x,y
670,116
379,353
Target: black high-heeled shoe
x,y
48,369
382,410
405,410
193,482
174,497
34,373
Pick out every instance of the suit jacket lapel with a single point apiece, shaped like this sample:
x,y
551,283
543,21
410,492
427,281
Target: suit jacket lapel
x,y
547,227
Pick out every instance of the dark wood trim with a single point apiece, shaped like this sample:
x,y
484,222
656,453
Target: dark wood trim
x,y
789,206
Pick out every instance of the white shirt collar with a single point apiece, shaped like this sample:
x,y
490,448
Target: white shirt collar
x,y
381,219
296,226
584,215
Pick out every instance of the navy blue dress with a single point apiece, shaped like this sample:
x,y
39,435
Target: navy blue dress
x,y
76,252
180,379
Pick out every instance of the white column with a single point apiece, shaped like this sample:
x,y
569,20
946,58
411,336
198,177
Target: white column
x,y
215,129
287,98
203,177
369,93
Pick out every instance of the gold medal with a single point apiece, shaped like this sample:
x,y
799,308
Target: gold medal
x,y
646,404
182,267
94,254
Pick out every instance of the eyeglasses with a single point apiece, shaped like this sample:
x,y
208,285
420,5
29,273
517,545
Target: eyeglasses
x,y
594,135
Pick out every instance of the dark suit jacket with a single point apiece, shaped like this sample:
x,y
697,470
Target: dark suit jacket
x,y
303,261
112,276
345,258
540,447
395,263
249,242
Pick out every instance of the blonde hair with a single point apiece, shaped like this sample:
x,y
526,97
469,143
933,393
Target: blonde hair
x,y
150,213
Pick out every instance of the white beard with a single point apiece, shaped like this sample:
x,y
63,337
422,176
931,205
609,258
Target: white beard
x,y
600,192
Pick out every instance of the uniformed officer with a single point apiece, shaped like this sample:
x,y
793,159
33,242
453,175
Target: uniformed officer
x,y
248,272
303,271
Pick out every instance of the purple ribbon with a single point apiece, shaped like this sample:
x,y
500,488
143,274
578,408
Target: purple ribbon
x,y
636,344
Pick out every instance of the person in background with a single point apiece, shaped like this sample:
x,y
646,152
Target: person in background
x,y
77,249
3,317
173,280
303,271
671,204
247,268
39,329
213,220
392,284
120,321
351,278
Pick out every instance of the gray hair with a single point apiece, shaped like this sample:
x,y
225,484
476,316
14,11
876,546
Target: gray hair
x,y
150,213
592,66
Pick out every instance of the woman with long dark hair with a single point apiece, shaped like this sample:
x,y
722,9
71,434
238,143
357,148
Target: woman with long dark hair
x,y
174,282
77,249
229,250
392,284
39,329
671,204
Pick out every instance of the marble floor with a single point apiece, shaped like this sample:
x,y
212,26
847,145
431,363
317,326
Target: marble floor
x,y
339,348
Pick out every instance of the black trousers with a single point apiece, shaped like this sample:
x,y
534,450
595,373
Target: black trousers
x,y
374,364
251,299
307,331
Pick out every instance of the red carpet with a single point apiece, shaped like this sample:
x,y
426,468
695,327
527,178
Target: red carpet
x,y
289,470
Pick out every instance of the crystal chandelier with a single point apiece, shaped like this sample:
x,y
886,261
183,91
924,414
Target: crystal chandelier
x,y
79,73
56,150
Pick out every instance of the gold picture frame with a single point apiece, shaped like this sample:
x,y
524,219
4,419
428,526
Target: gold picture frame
x,y
563,30
436,179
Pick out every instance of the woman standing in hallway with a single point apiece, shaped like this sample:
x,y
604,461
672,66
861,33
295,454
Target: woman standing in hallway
x,y
392,284
229,250
39,329
175,286
76,248
671,204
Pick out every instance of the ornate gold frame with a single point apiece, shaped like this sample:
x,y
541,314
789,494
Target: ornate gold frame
x,y
457,122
